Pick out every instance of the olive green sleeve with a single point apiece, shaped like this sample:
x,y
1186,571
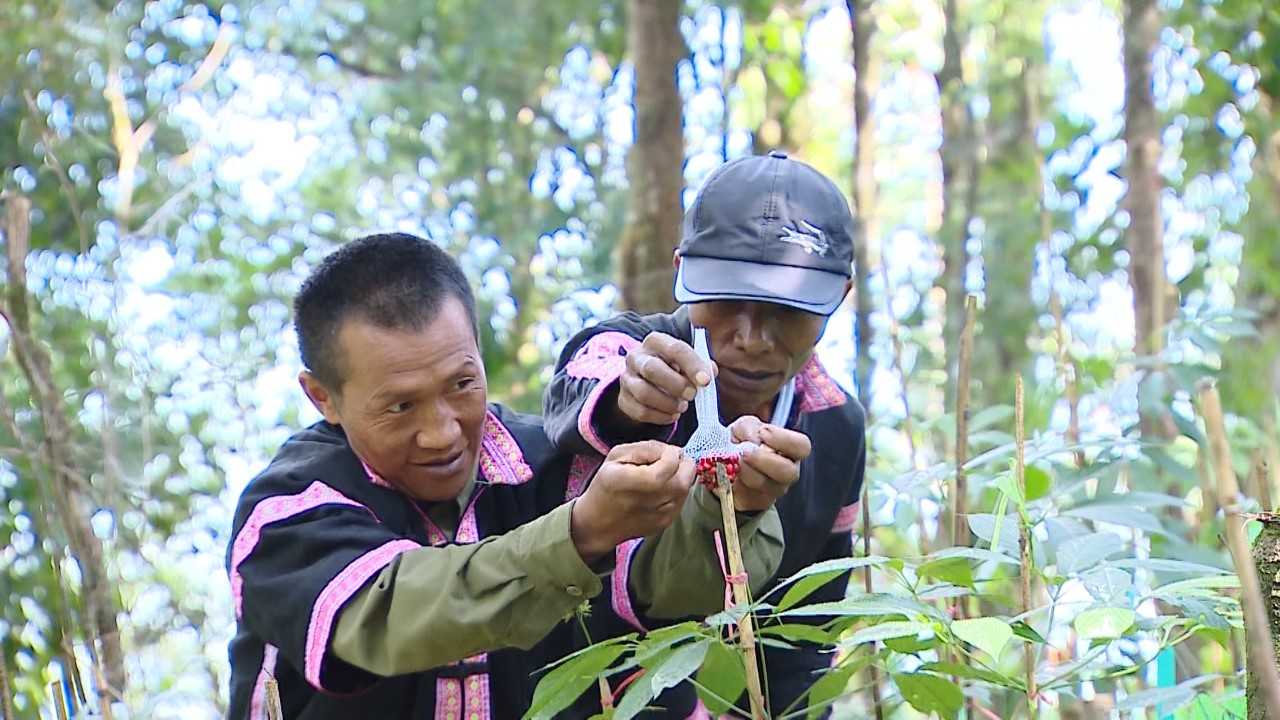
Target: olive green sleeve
x,y
677,573
433,606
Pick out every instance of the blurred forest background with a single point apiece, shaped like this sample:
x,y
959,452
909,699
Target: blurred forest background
x,y
1103,176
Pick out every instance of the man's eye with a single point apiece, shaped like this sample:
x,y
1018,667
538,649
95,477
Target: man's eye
x,y
400,408
466,382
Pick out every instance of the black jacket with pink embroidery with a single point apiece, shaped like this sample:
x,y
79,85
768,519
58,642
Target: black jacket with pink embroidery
x,y
316,527
817,513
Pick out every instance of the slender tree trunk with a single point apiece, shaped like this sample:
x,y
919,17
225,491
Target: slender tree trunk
x,y
1145,234
959,162
70,507
655,163
864,188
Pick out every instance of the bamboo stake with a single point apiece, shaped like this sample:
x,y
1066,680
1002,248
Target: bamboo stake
x,y
1024,537
1261,481
959,530
1257,627
866,582
741,593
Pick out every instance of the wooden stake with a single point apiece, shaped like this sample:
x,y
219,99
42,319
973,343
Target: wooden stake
x,y
1257,627
959,529
1024,537
741,593
866,582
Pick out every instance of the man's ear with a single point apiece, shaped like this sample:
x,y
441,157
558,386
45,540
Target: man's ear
x,y
675,259
321,397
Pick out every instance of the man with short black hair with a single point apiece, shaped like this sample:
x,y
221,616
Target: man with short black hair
x,y
413,554
764,260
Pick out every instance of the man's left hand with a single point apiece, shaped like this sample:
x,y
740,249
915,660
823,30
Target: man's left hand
x,y
767,472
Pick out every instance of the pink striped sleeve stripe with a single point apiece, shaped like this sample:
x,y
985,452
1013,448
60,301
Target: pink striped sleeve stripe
x,y
621,593
272,510
846,519
337,593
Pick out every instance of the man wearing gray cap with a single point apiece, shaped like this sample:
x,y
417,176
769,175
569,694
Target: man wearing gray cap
x,y
764,260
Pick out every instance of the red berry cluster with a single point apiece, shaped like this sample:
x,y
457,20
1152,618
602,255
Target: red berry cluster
x,y
707,469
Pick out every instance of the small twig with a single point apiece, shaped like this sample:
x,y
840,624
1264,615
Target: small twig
x,y
1024,535
741,592
1261,656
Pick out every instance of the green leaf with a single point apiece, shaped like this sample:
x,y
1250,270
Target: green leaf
x,y
798,632
1107,584
1026,632
891,629
671,668
832,685
1168,698
993,529
806,587
1083,553
989,635
1104,623
1169,566
930,693
969,672
1038,483
1118,515
953,570
879,604
827,569
972,553
559,688
721,675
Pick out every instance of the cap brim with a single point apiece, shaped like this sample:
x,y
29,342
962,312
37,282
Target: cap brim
x,y
700,279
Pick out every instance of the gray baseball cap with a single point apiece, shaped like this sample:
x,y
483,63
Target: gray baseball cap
x,y
767,228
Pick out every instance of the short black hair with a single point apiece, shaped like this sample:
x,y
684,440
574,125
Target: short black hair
x,y
393,280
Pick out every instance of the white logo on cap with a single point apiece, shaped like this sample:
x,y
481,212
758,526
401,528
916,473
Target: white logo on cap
x,y
807,237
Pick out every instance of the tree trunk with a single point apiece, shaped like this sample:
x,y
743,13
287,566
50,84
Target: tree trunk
x,y
1266,557
655,163
864,188
67,491
1145,234
959,160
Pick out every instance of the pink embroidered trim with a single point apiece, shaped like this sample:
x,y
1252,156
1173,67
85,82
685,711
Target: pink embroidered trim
x,y
271,510
258,700
448,699
501,461
467,531
599,359
621,594
846,519
602,357
335,595
374,477
580,472
816,389
476,697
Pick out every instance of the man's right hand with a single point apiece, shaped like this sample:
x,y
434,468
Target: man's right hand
x,y
638,491
661,377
